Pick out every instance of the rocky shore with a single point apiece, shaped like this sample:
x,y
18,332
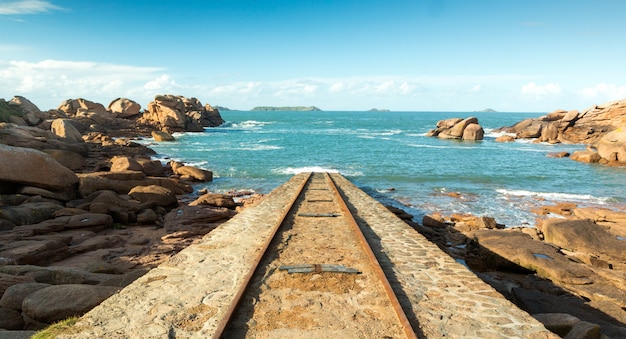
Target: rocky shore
x,y
84,211
569,271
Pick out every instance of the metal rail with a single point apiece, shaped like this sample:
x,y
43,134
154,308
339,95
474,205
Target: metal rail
x,y
404,321
402,318
242,289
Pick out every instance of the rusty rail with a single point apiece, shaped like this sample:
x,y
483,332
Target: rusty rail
x,y
404,321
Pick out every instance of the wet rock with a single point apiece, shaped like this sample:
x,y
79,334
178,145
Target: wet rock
x,y
161,136
56,303
30,167
505,138
191,172
588,156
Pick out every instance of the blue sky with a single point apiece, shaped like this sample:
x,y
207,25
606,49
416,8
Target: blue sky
x,y
409,55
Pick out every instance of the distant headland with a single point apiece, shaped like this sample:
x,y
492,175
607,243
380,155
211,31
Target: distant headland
x,y
488,110
286,108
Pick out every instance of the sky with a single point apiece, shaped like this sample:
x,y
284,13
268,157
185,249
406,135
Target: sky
x,y
401,55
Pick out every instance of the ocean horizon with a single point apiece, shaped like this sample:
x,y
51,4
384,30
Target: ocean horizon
x,y
388,155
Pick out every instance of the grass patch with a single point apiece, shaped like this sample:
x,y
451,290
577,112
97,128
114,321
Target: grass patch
x,y
62,327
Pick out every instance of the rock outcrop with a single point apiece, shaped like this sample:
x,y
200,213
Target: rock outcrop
x,y
456,128
177,113
601,126
124,108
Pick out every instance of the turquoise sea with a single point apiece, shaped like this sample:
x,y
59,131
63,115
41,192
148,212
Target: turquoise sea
x,y
388,155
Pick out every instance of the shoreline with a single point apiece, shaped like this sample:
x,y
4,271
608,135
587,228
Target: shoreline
x,y
128,232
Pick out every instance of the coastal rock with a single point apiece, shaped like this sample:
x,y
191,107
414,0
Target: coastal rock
x,y
124,108
152,168
559,323
10,319
69,159
123,182
123,163
583,236
612,146
473,132
214,199
36,138
15,295
59,302
103,201
177,113
30,167
505,138
588,156
31,113
549,133
191,172
29,213
160,136
506,250
200,220
584,330
29,252
455,128
64,129
158,195
73,106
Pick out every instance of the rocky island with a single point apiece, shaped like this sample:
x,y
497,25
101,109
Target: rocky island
x,y
286,108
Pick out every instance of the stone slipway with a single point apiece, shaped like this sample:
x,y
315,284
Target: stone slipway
x,y
187,296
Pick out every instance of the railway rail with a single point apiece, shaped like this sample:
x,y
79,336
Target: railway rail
x,y
316,276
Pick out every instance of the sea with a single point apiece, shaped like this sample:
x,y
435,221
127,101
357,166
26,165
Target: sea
x,y
388,155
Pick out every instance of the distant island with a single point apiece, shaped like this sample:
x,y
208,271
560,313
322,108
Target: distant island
x,y
378,110
488,110
286,108
222,108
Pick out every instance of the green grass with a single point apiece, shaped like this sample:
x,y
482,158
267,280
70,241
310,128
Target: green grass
x,y
7,110
61,327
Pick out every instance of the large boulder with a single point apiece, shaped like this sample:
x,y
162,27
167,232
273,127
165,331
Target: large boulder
x,y
64,129
31,113
34,252
177,113
583,236
160,136
25,166
195,219
456,128
191,172
612,146
158,195
214,199
29,213
15,295
72,160
124,108
123,182
59,302
72,106
473,132
124,163
37,138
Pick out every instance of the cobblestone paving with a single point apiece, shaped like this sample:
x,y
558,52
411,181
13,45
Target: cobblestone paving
x,y
445,298
187,296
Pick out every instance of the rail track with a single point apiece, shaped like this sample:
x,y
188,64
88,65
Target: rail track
x,y
316,277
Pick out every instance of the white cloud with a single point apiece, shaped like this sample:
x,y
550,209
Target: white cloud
x,y
337,87
476,89
26,7
532,88
604,91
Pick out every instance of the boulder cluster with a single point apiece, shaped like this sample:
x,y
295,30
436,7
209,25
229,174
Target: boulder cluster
x,y
602,127
84,210
457,128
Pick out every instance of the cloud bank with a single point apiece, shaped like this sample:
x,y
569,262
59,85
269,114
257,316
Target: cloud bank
x,y
27,7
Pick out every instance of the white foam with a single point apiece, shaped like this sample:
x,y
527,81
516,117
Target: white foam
x,y
248,124
554,196
297,170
